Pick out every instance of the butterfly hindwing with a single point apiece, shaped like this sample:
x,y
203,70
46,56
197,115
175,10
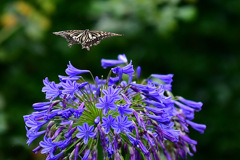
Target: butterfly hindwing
x,y
84,37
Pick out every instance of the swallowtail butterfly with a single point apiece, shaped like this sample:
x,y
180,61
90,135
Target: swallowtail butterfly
x,y
84,37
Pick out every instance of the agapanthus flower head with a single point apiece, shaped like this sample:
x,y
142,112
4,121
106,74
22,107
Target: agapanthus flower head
x,y
111,115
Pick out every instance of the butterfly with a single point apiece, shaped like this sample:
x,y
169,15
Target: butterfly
x,y
85,37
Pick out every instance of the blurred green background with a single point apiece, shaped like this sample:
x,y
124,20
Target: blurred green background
x,y
197,41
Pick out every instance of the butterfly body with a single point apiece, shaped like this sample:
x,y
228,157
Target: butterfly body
x,y
84,37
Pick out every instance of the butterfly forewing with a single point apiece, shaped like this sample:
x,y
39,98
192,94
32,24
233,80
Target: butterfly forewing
x,y
84,37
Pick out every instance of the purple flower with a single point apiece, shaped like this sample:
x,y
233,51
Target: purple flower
x,y
124,109
76,154
71,87
138,72
108,123
155,110
110,150
70,132
189,114
113,93
32,135
165,78
126,99
196,105
65,78
198,127
37,149
72,71
94,154
106,103
30,121
113,80
41,106
187,111
154,103
85,132
77,112
51,89
48,116
167,87
160,119
126,70
130,78
49,127
182,106
143,148
54,157
122,124
86,155
170,133
144,88
102,136
48,145
65,143
58,131
108,63
81,105
119,72
97,120
133,140
122,57
188,140
65,113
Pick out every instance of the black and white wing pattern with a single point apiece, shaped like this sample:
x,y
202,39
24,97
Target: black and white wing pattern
x,y
84,37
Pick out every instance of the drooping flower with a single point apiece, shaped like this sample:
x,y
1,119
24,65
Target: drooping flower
x,y
32,135
165,78
72,71
199,127
128,118
108,63
195,105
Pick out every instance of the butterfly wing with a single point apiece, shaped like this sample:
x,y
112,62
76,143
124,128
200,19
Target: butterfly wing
x,y
72,36
94,37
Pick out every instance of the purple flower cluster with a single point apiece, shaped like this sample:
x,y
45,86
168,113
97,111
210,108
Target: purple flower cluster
x,y
112,115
